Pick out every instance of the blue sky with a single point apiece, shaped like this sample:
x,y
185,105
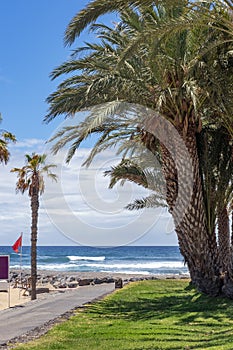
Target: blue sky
x,y
32,46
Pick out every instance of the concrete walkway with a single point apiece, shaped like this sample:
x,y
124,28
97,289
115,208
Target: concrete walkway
x,y
19,320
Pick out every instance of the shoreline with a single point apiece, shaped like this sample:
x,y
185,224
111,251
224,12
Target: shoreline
x,y
97,274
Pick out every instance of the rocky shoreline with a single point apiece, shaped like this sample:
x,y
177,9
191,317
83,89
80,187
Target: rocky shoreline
x,y
69,279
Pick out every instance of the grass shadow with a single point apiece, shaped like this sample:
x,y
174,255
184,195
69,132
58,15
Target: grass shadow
x,y
184,302
176,312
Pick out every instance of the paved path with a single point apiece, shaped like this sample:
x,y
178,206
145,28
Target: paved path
x,y
19,320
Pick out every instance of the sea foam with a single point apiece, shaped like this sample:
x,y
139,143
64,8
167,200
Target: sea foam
x,y
87,258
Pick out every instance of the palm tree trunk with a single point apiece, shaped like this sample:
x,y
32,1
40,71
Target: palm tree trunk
x,y
232,225
224,239
34,210
225,251
197,245
170,176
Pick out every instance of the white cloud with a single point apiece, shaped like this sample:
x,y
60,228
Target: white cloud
x,y
79,207
29,143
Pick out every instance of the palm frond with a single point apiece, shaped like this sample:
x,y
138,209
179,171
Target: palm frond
x,y
129,171
94,10
152,201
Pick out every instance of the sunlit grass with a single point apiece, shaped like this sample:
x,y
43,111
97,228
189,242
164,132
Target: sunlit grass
x,y
150,315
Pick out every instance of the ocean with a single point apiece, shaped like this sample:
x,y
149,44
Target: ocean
x,y
130,260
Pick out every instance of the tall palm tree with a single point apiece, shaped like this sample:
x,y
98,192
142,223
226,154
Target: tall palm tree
x,y
5,138
156,73
30,178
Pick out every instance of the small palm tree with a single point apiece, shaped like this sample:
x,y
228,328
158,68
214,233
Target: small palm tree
x,y
5,138
30,178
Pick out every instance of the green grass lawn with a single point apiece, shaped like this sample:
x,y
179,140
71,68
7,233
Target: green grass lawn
x,y
150,315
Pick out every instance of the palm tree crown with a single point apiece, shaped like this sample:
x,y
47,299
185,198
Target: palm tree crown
x,y
5,138
35,167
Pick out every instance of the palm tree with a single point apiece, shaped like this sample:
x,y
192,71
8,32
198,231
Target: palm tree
x,y
155,73
30,178
5,138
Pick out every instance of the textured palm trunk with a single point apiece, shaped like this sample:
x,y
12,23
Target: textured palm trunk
x,y
197,245
170,176
228,282
232,225
225,251
34,193
224,239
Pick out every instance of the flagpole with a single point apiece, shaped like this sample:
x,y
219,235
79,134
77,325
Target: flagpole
x,y
20,271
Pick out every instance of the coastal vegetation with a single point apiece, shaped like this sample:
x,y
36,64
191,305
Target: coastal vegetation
x,y
160,81
31,180
158,315
5,138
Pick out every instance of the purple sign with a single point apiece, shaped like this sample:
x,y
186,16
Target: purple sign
x,y
4,267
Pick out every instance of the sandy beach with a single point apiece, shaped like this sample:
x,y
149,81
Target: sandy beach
x,y
12,298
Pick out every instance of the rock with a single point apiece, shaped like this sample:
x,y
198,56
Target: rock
x,y
71,279
133,279
109,280
119,283
97,280
72,284
56,284
85,282
103,280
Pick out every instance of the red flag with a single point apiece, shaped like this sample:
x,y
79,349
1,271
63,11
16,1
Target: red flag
x,y
17,244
